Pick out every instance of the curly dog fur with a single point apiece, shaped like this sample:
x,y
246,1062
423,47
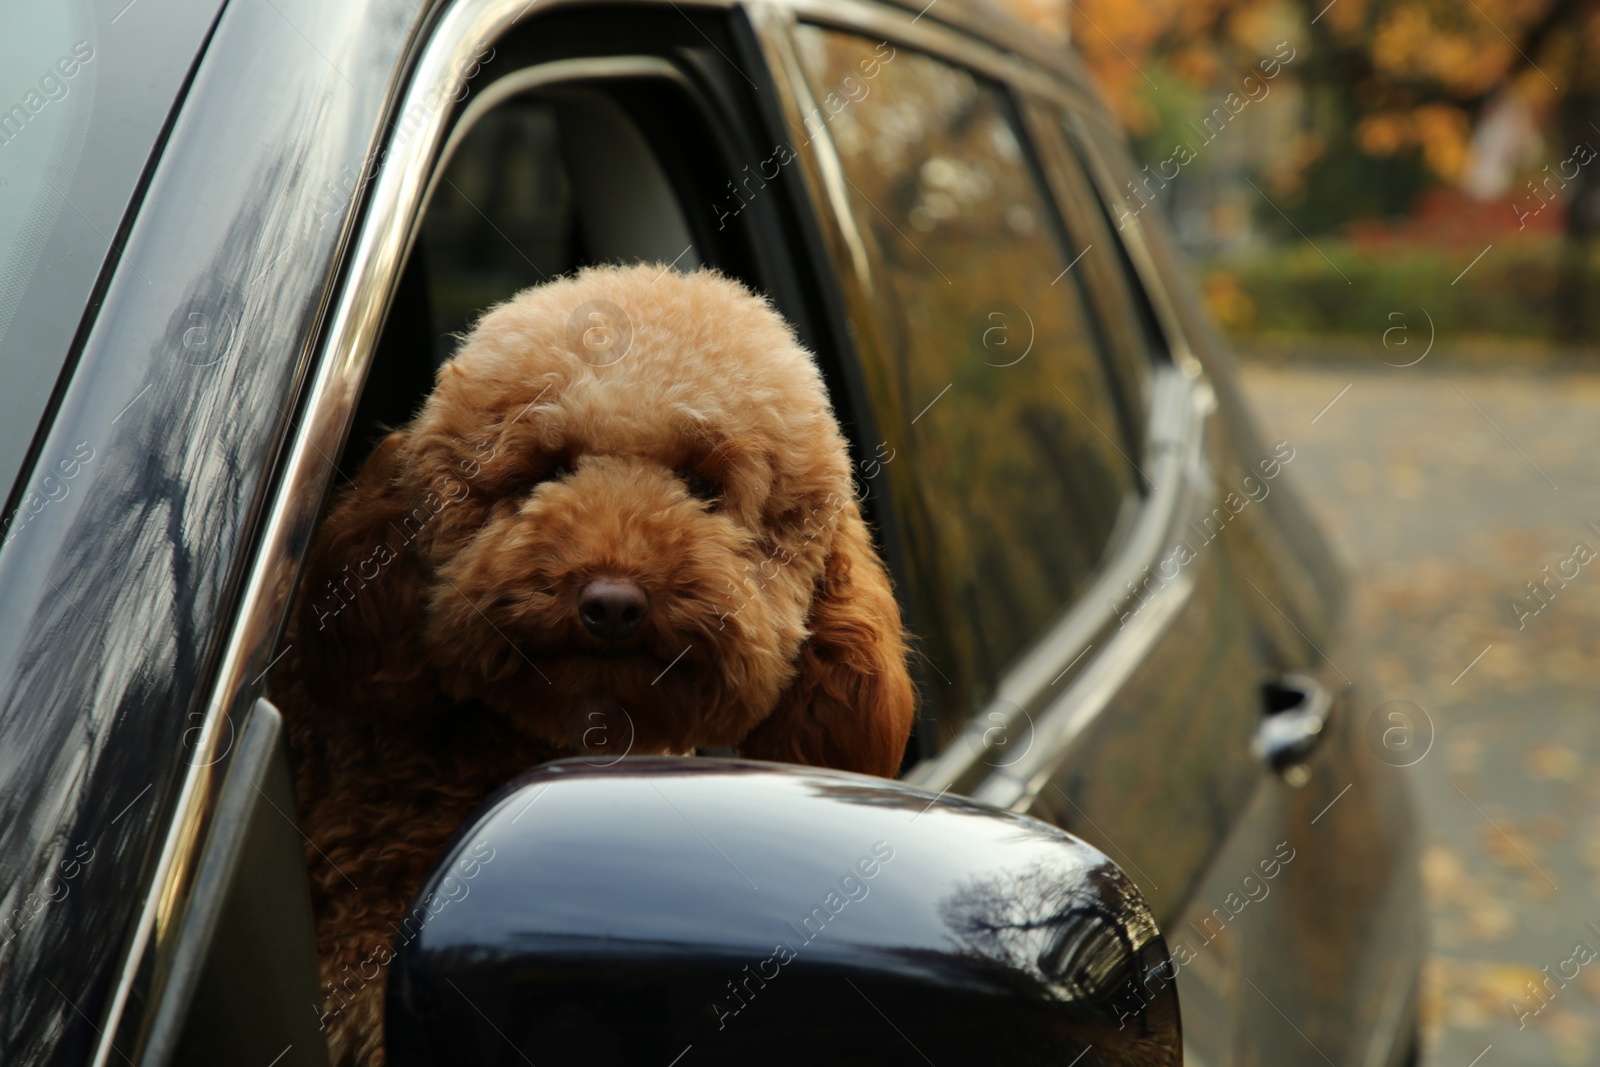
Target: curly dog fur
x,y
630,429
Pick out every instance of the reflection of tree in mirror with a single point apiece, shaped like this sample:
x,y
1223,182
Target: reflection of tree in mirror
x,y
873,795
1085,938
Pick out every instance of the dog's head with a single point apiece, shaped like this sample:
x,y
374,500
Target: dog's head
x,y
623,520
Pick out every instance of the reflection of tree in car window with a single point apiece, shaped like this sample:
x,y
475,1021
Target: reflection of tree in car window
x,y
994,365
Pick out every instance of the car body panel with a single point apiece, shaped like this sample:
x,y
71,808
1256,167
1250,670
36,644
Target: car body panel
x,y
1146,751
118,595
1340,947
143,608
97,138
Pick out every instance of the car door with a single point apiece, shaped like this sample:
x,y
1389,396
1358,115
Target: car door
x,y
521,146
1332,967
1100,657
1011,538
132,648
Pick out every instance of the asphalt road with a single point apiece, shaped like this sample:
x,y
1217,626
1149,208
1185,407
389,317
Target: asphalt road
x,y
1446,491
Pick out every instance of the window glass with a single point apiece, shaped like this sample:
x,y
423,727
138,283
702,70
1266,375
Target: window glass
x,y
994,388
1130,325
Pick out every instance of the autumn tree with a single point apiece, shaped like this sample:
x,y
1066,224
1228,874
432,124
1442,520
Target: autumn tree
x,y
1471,88
1399,92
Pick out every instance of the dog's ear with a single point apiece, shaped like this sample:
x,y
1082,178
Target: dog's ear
x,y
361,599
852,703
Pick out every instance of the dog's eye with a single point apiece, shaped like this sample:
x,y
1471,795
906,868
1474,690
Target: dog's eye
x,y
702,488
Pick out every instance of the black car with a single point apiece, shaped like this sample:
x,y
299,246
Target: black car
x,y
237,238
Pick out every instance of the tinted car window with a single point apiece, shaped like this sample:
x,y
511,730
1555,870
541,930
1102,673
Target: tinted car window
x,y
996,392
1131,332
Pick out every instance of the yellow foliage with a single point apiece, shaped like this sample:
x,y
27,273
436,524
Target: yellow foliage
x,y
1286,171
1346,17
1467,58
1445,133
1442,131
1229,303
1419,50
1384,134
1199,66
1120,40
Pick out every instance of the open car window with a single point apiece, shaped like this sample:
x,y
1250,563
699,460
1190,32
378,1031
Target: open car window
x,y
541,184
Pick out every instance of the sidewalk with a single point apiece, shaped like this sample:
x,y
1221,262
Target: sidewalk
x,y
1446,491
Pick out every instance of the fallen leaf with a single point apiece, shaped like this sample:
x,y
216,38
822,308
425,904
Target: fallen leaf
x,y
1552,762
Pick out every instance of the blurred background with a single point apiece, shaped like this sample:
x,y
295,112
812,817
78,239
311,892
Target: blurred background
x,y
1393,206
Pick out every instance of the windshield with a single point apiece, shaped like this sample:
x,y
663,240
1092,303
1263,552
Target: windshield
x,y
84,93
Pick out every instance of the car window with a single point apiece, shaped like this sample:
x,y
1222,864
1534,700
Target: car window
x,y
1133,337
539,186
996,388
1126,187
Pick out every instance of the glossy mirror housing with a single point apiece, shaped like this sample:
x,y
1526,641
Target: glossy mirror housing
x,y
695,911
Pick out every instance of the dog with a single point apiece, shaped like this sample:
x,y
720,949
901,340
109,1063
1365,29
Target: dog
x,y
623,521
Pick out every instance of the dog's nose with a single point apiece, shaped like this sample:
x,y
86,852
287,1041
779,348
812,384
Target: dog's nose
x,y
612,608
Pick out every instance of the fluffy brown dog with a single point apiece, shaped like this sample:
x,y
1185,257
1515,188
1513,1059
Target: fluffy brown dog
x,y
623,521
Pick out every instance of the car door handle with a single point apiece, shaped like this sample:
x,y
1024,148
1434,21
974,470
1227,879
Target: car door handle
x,y
1296,714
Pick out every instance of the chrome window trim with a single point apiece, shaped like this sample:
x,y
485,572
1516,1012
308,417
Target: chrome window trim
x,y
259,738
1181,489
934,38
1180,401
1134,354
1148,275
774,26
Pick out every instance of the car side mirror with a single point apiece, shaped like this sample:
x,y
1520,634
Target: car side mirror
x,y
696,911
